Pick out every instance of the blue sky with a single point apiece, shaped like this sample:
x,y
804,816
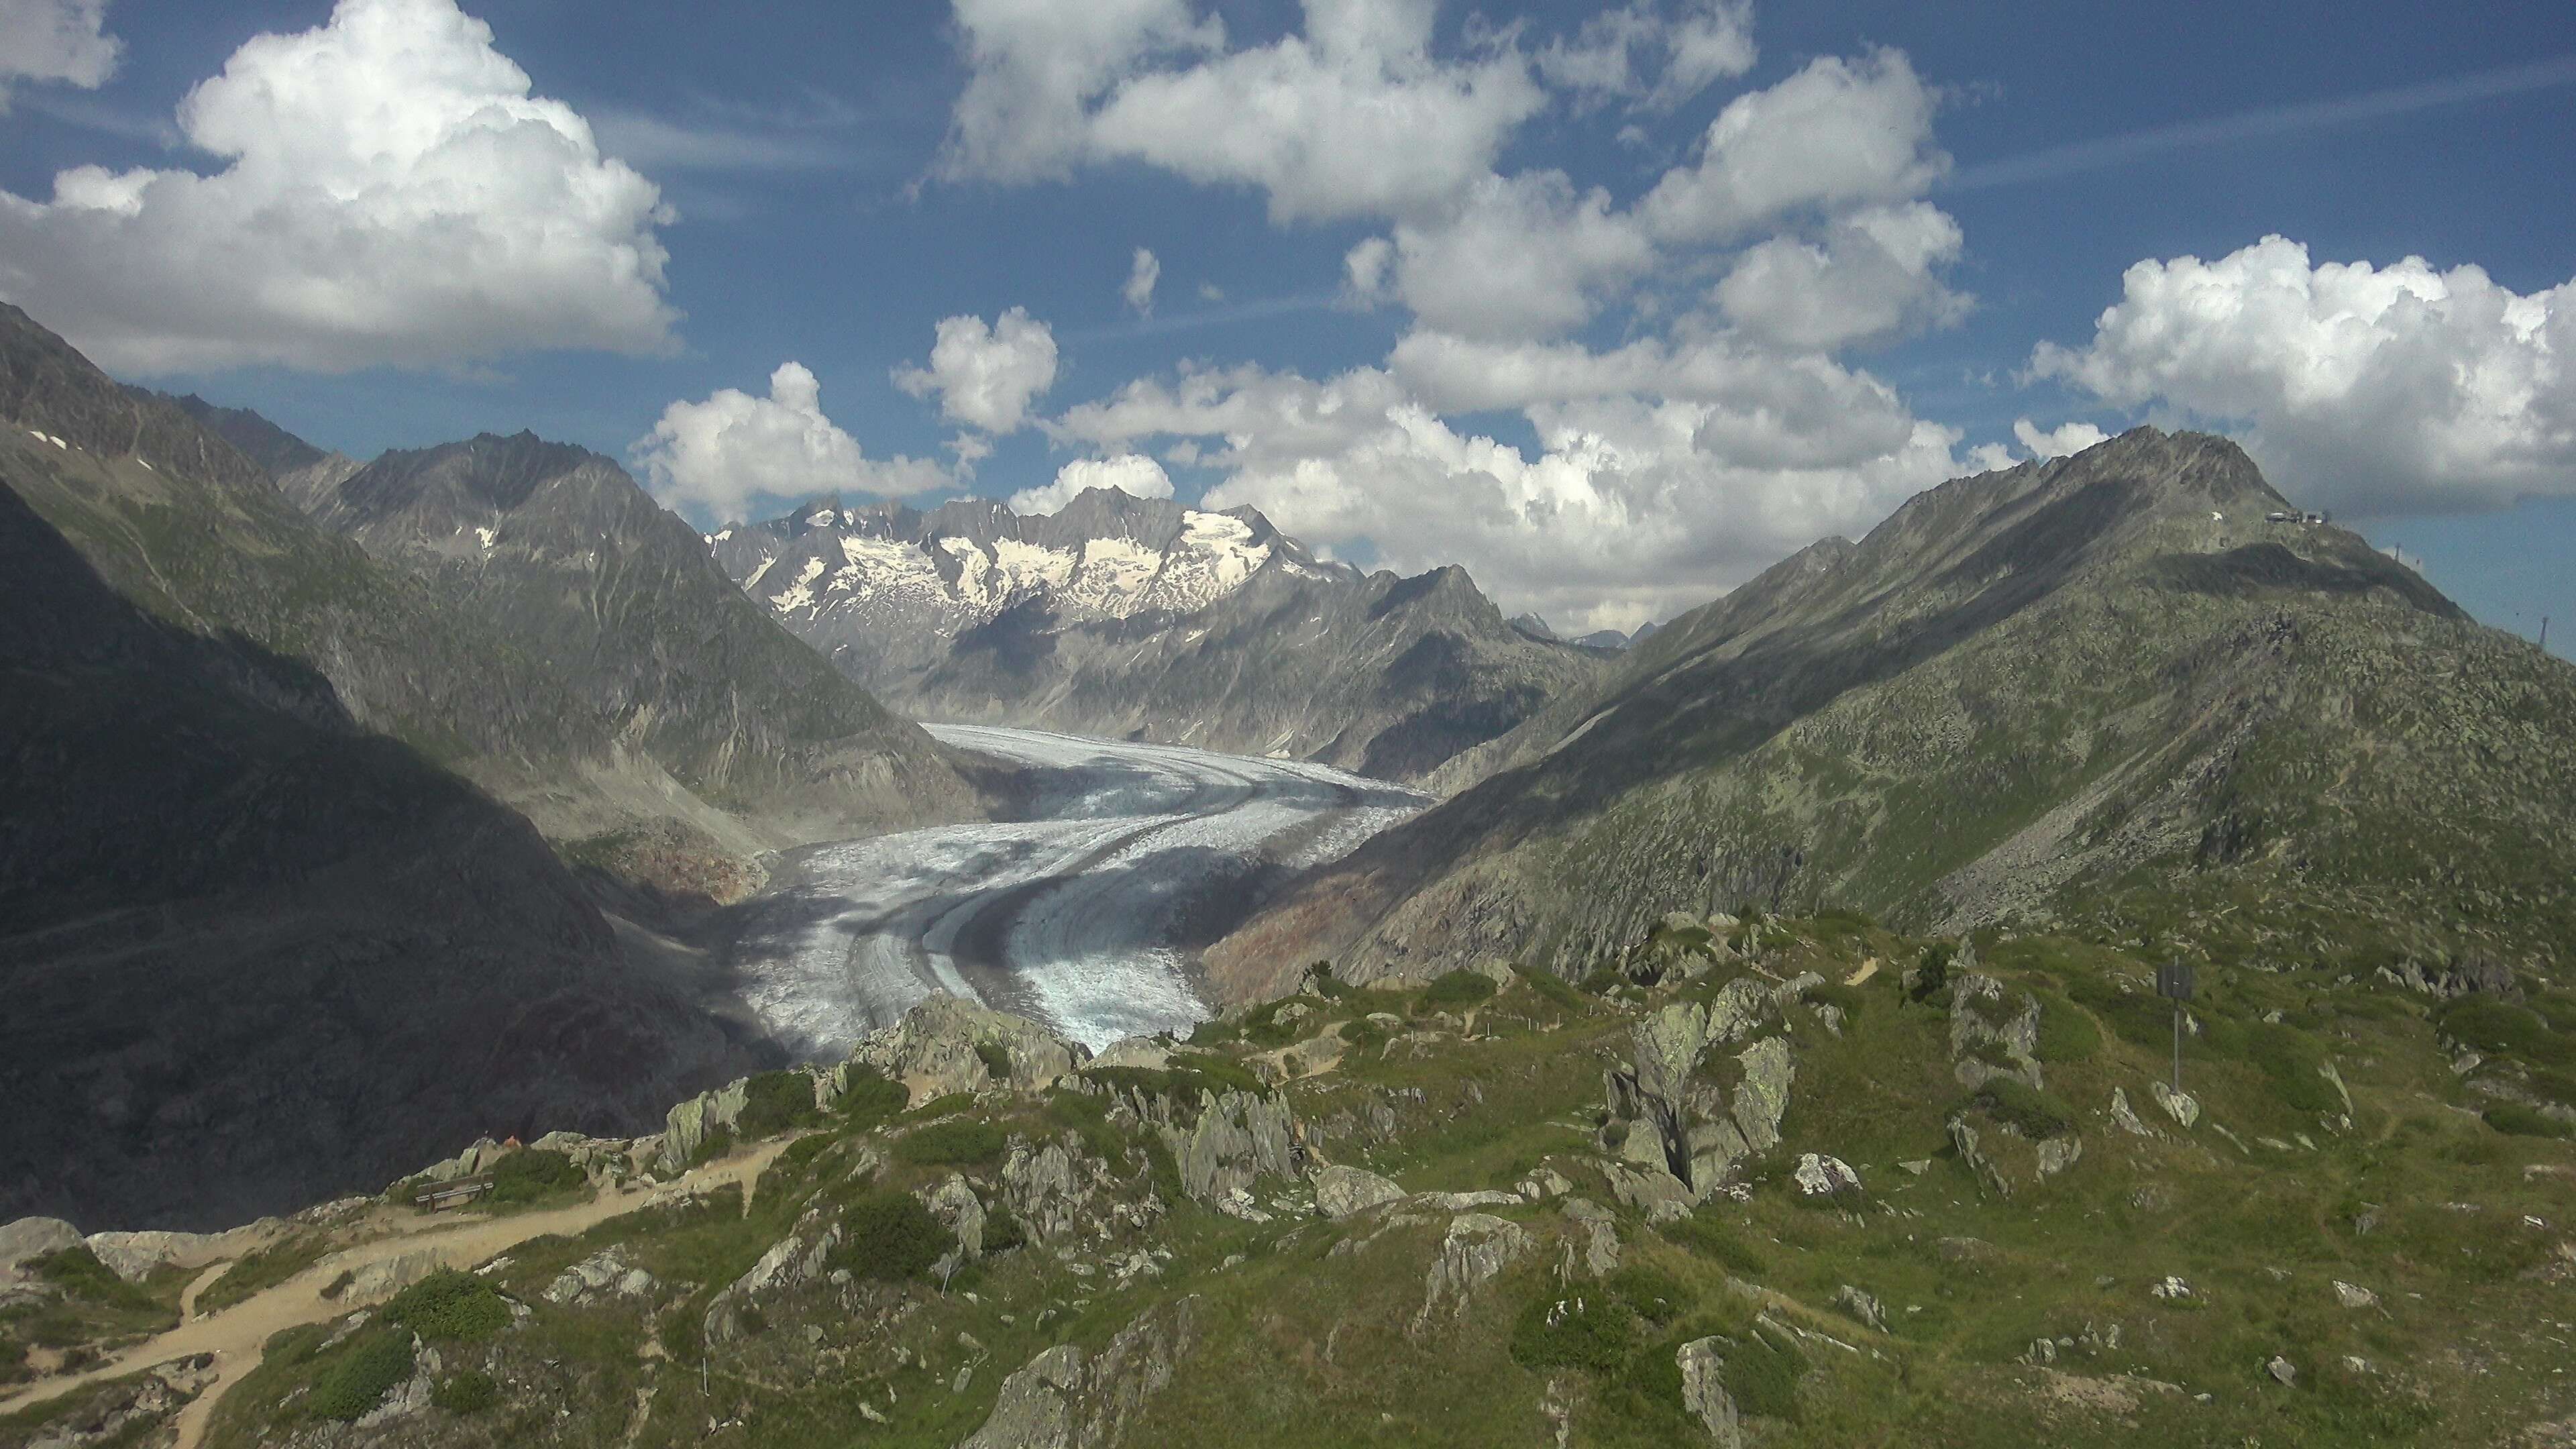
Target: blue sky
x,y
1610,408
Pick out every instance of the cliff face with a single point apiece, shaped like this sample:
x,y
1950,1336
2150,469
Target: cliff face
x,y
1150,620
2109,684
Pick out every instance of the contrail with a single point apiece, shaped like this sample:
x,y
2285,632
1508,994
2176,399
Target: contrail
x,y
2271,121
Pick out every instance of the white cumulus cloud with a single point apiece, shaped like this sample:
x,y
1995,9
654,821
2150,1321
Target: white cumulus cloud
x,y
2058,442
1131,473
1353,117
1651,56
1638,501
986,374
1142,274
1523,256
391,193
2397,389
1871,278
1839,133
56,40
720,456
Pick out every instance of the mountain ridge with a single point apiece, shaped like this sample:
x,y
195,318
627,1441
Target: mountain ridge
x,y
2019,683
1149,619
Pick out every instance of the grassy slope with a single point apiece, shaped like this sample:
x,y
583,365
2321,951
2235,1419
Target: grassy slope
x,y
2414,1198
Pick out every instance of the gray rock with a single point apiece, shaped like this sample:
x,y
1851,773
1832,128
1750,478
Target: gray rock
x,y
1980,1016
2353,1295
1341,1191
2125,1117
1820,1176
1862,1305
1478,1247
32,1237
2180,1106
688,1126
962,1213
790,1262
2057,1154
1703,1366
1990,1176
2282,1370
604,1274
1067,1399
932,1050
1598,1237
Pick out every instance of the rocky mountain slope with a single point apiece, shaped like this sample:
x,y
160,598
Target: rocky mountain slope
x,y
555,551
249,912
1147,619
1768,1182
2105,688
254,953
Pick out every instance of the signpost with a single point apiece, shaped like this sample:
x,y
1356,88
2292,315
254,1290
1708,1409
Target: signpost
x,y
2174,982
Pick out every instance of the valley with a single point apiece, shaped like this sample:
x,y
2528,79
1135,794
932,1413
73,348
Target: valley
x,y
1085,916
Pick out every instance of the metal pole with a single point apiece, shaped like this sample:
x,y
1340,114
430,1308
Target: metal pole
x,y
2177,1049
2544,631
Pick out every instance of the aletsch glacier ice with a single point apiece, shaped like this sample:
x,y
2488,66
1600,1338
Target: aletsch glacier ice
x,y
1074,918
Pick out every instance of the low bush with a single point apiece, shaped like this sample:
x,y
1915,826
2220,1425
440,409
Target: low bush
x,y
2295,1063
2066,1034
996,1059
78,1272
468,1391
1002,1230
1932,970
1592,1330
2514,1119
2495,1027
2016,1104
528,1175
776,1102
1556,989
1708,1237
366,1370
449,1305
1763,1376
1649,1292
890,1237
1457,989
1088,1117
871,1098
957,1142
1185,1078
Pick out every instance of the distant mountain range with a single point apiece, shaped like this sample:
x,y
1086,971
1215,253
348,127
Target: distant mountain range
x,y
274,921
2104,692
1152,620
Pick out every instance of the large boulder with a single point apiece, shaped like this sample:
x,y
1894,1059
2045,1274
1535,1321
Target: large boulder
x,y
790,1262
1068,1399
688,1126
1341,1191
1476,1249
1681,1121
1703,1366
32,1238
943,1045
1991,1035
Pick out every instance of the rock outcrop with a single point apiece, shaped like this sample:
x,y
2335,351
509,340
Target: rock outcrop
x,y
1475,1250
947,1045
792,1261
1341,1191
1680,1116
1703,1366
1068,1399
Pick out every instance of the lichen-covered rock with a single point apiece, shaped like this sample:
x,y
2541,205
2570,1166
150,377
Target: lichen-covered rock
x,y
1820,1176
1477,1247
1703,1366
962,1213
940,1046
2180,1106
1983,1024
604,1274
2125,1117
29,1238
1593,1249
1067,1399
1341,1191
790,1262
1862,1305
688,1126
1239,1137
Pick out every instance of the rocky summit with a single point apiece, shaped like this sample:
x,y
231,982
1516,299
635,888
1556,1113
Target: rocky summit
x,y
1146,619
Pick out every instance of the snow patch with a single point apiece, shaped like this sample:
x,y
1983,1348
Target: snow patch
x,y
800,594
486,535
